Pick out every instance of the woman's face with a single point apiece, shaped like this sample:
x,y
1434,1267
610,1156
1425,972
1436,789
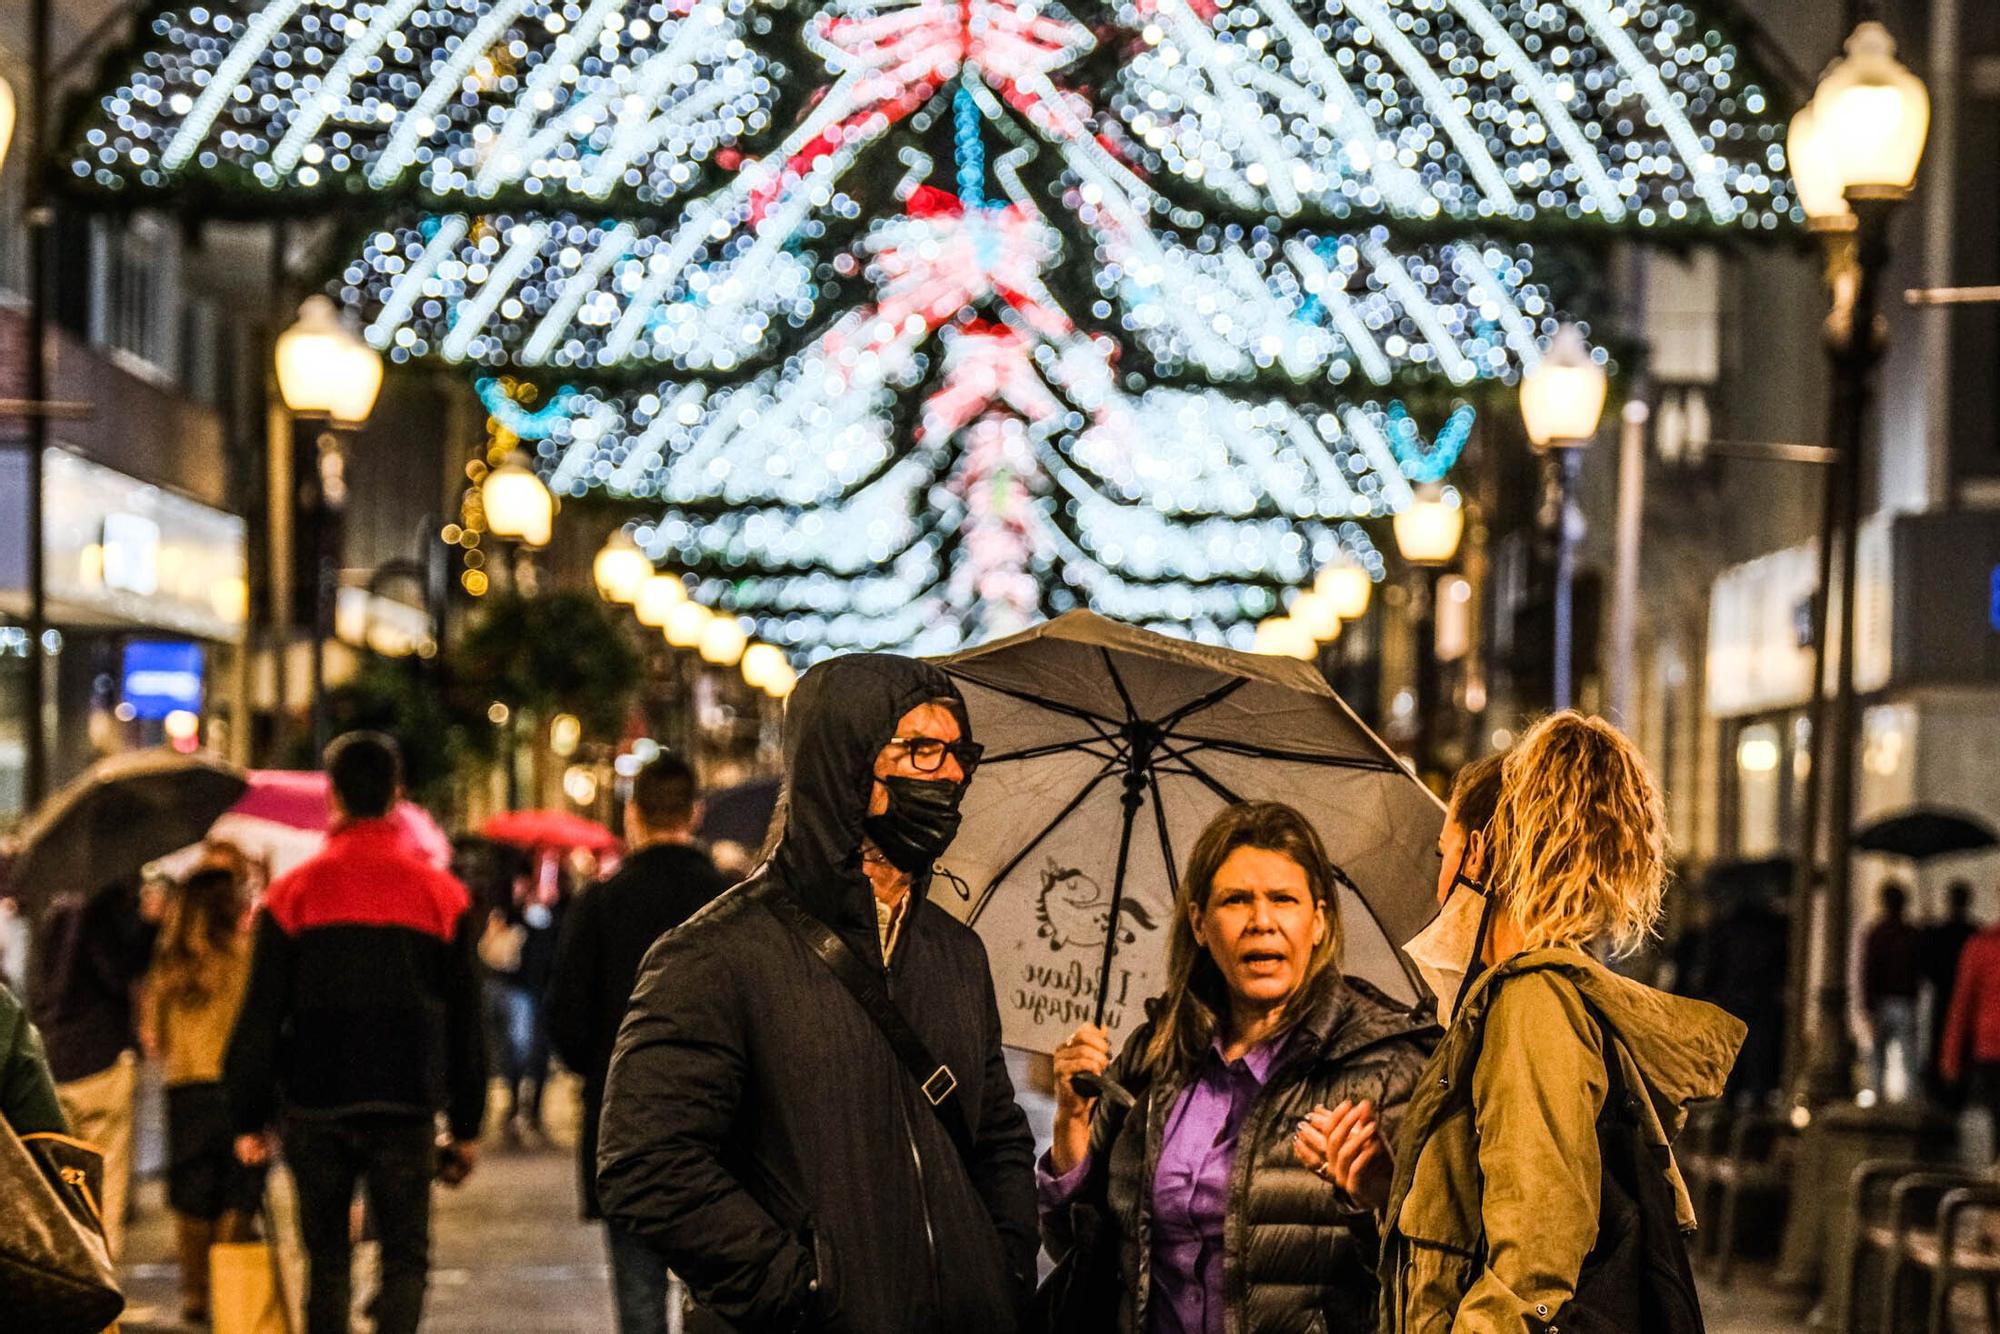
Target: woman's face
x,y
1260,925
1458,852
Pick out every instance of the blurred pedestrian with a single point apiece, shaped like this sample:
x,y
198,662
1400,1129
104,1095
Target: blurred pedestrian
x,y
1891,973
1969,1051
361,1024
1746,963
518,946
664,880
1533,1187
90,954
192,997
1214,1188
762,1128
1938,952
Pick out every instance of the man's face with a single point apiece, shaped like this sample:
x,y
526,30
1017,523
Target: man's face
x,y
898,759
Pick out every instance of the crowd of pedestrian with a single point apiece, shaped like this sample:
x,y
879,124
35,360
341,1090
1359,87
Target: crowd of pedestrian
x,y
796,1111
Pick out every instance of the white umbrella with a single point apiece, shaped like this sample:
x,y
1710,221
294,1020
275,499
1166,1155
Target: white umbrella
x,y
1108,749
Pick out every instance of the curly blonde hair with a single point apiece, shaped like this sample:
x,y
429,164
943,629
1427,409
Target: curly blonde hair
x,y
1579,841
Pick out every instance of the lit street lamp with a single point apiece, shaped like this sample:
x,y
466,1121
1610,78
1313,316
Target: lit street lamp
x,y
1428,531
325,371
659,595
621,568
6,120
685,624
518,507
1859,141
723,642
1347,589
1562,399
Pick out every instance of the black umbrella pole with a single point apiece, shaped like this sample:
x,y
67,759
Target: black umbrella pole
x,y
1135,777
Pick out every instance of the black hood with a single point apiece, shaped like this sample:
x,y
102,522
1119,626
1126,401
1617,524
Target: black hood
x,y
842,714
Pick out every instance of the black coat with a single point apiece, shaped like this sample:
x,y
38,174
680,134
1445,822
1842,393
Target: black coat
x,y
759,1131
609,928
1298,1255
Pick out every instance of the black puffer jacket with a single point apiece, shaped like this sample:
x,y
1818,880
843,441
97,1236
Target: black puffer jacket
x,y
759,1131
1298,1255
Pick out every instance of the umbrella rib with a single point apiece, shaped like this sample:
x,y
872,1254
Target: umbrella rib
x,y
1068,710
1083,747
1384,765
1166,838
1208,701
1028,848
1132,718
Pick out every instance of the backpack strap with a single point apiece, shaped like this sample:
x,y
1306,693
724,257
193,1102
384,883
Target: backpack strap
x,y
933,1078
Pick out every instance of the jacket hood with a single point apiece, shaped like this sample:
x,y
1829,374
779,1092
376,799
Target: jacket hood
x,y
1683,1048
842,714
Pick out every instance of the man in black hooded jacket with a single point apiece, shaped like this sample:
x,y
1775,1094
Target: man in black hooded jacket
x,y
758,1128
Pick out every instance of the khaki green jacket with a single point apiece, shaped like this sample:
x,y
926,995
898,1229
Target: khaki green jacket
x,y
1495,1200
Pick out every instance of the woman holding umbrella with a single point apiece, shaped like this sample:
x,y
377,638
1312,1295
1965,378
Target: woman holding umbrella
x,y
1177,1194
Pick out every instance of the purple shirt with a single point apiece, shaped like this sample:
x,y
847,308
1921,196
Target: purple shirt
x,y
1190,1190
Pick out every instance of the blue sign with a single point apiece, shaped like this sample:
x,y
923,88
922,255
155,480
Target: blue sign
x,y
1993,598
162,677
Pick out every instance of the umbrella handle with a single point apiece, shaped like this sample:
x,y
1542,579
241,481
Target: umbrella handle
x,y
1092,1086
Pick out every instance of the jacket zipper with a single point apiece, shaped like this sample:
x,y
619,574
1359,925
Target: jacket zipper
x,y
917,1162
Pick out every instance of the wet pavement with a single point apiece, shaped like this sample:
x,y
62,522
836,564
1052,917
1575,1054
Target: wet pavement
x,y
511,1254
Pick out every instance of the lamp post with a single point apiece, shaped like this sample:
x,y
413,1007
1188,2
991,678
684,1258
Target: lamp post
x,y
1857,144
326,372
1562,399
621,569
1428,532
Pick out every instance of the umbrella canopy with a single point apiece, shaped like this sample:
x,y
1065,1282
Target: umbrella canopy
x,y
118,815
1924,832
283,817
1108,749
548,829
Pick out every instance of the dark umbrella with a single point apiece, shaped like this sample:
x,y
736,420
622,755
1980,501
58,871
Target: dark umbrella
x,y
739,814
118,815
1924,832
1108,749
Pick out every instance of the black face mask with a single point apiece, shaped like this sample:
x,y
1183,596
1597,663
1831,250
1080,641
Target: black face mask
x,y
920,823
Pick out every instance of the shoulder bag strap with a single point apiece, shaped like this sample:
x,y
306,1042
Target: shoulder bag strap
x,y
934,1078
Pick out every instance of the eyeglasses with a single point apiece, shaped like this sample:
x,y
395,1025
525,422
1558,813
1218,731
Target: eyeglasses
x,y
927,753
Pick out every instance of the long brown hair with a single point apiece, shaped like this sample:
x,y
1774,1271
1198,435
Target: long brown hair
x,y
1196,996
203,920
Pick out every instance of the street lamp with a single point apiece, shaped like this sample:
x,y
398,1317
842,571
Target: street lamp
x,y
658,596
621,568
6,120
1283,637
1562,399
1863,132
324,368
685,624
723,642
1346,587
517,505
1428,531
763,664
1315,611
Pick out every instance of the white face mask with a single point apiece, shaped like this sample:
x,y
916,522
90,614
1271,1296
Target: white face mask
x,y
1447,951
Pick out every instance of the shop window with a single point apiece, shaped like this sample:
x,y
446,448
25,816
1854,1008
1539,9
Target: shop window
x,y
135,303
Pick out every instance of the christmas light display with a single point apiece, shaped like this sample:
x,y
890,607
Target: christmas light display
x,y
900,307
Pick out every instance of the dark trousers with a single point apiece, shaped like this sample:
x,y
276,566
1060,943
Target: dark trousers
x,y
391,1157
638,1282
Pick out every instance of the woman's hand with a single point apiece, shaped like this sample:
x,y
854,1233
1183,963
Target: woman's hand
x,y
1346,1146
1084,1052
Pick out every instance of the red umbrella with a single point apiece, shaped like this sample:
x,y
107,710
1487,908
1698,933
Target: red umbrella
x,y
548,829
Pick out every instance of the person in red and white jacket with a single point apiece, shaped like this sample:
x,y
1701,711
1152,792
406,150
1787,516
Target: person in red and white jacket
x,y
1971,1046
360,1025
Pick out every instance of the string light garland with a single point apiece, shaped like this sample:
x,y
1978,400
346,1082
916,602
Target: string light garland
x,y
918,319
